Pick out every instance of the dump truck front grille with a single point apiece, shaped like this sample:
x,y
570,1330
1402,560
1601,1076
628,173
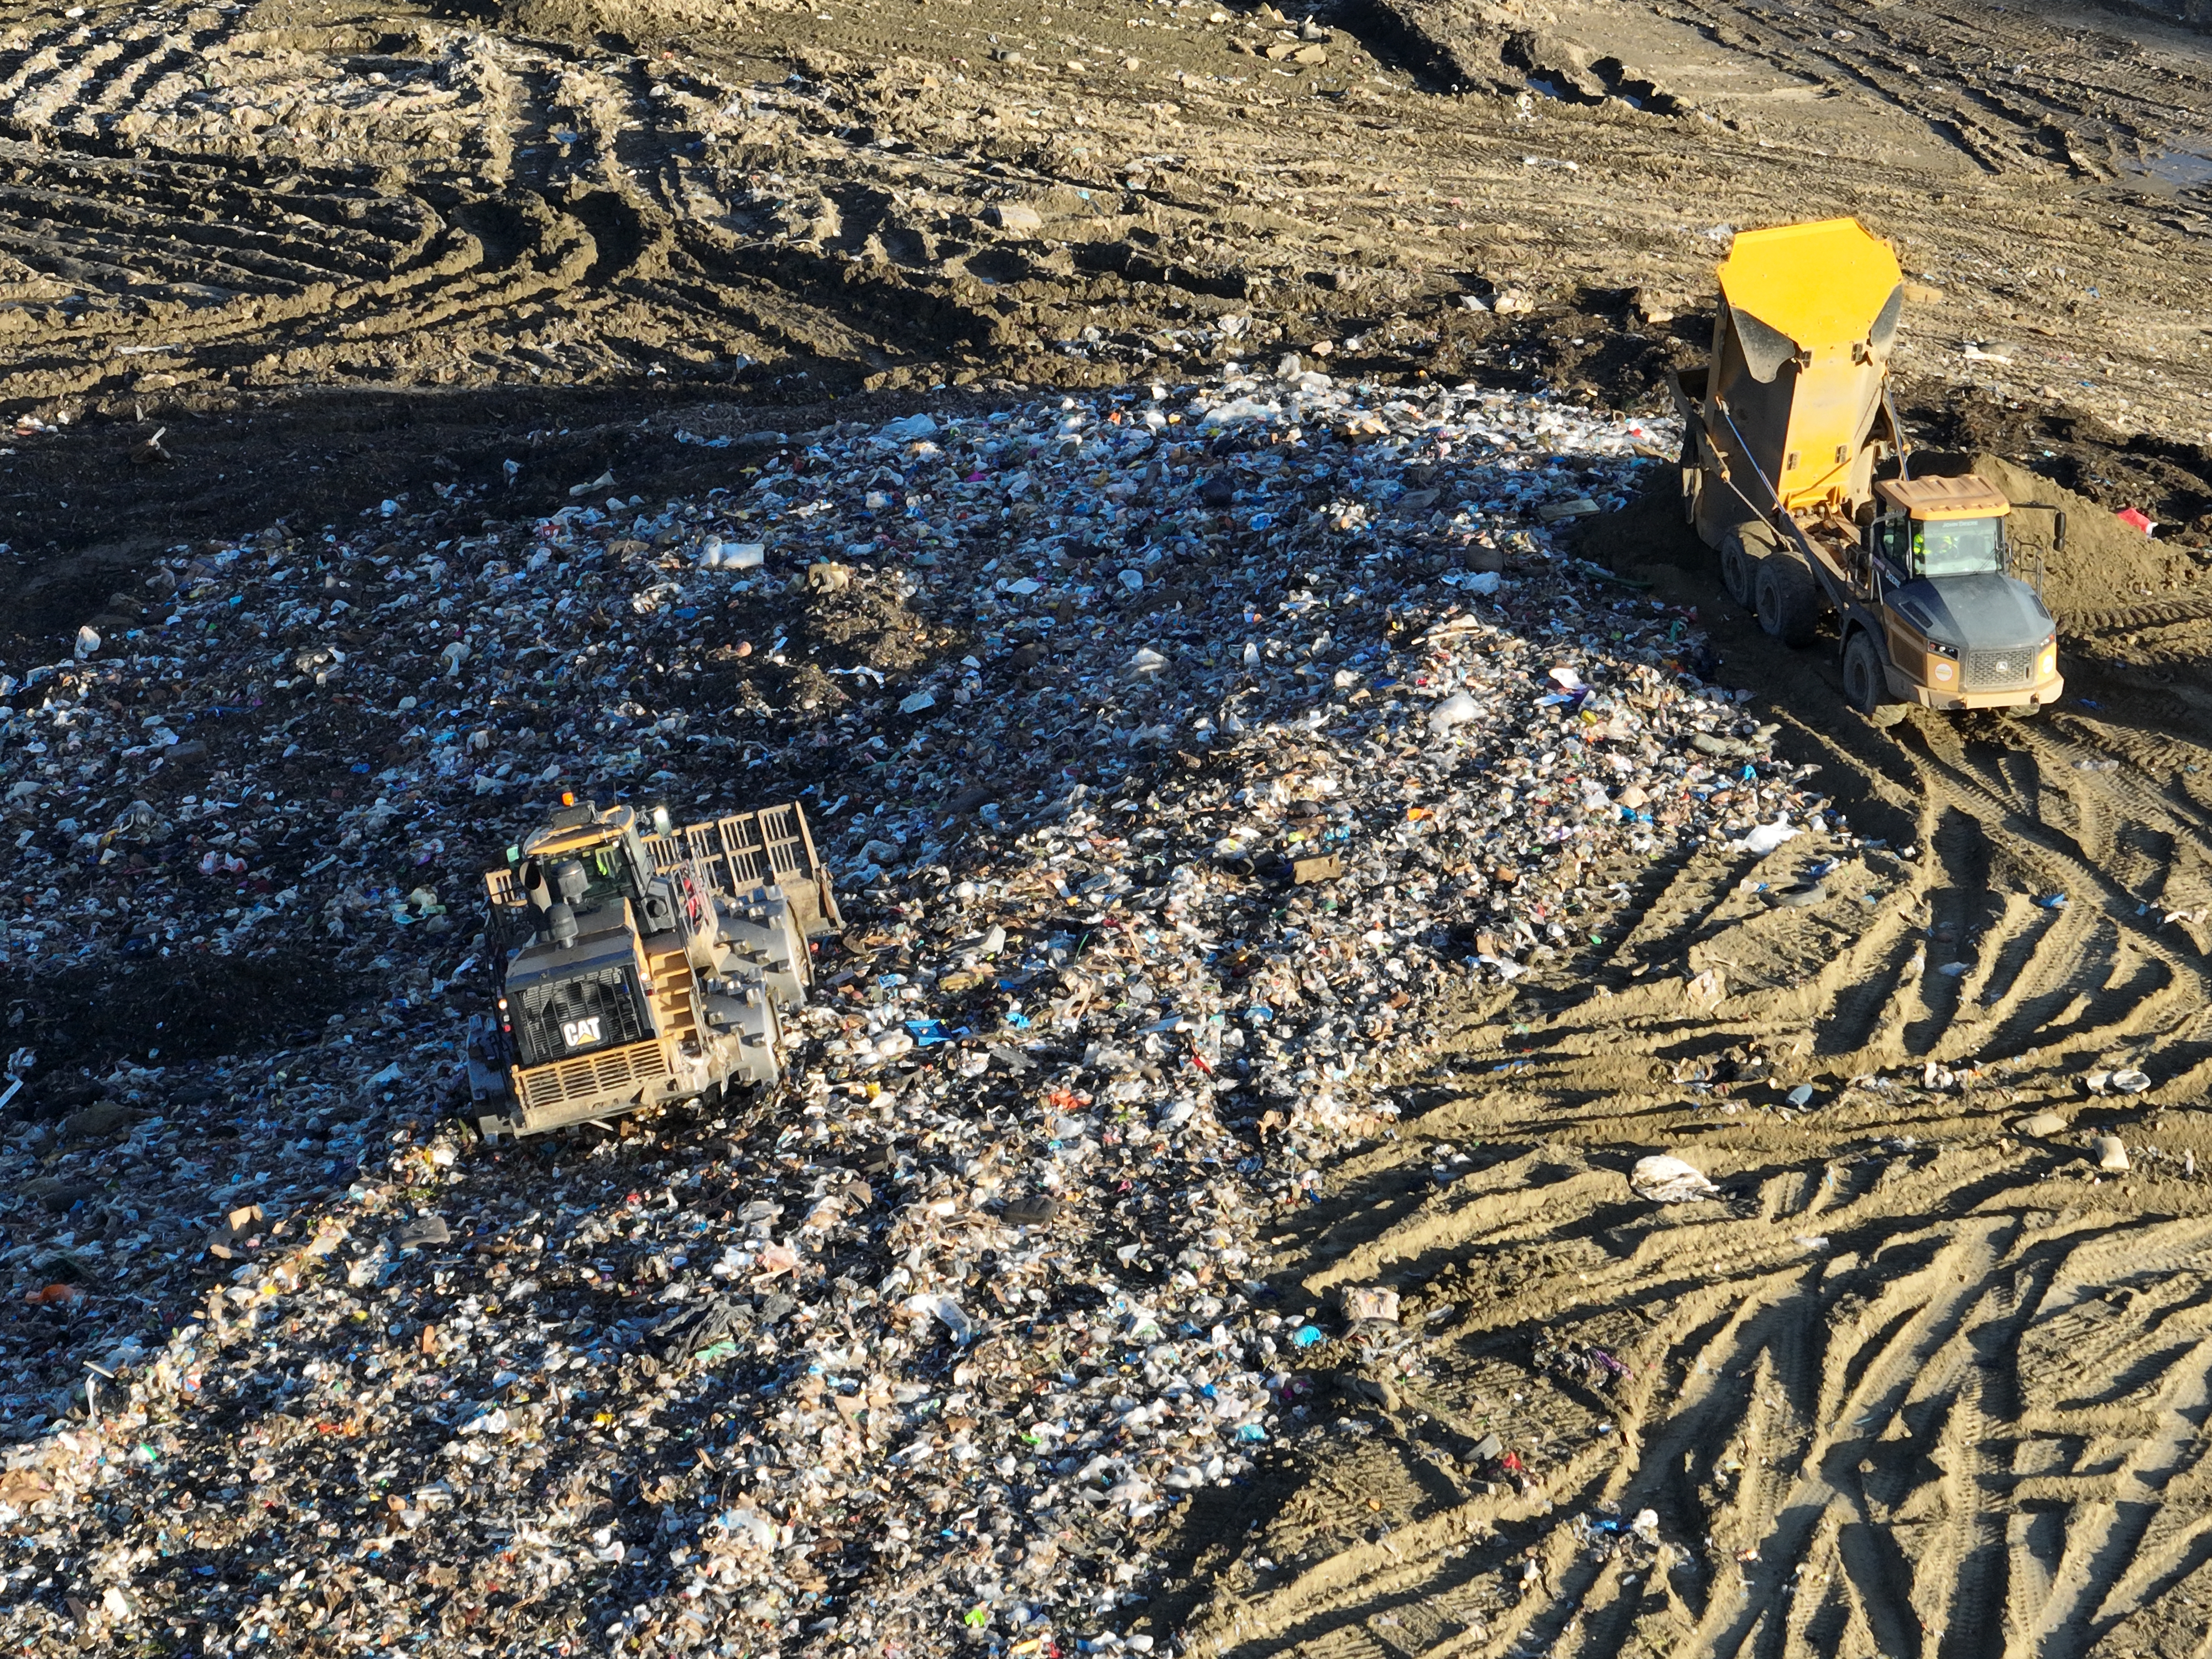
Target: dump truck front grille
x,y
557,1019
613,1072
2000,670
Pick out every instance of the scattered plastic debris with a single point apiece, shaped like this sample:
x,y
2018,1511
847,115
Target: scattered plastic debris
x,y
1665,1179
1176,754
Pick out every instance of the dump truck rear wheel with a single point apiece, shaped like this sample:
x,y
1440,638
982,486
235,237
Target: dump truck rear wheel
x,y
1788,599
1866,686
1741,558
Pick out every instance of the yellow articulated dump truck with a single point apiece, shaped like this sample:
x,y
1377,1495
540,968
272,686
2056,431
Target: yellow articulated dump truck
x,y
643,966
1796,471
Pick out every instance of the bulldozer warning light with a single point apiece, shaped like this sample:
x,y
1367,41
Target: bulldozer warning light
x,y
567,797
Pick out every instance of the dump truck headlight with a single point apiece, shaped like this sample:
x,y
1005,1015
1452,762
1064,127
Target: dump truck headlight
x,y
1942,662
2047,663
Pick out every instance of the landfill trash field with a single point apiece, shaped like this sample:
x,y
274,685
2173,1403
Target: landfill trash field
x,y
1272,936
1395,1076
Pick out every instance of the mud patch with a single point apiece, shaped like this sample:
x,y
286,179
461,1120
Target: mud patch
x,y
870,621
2168,480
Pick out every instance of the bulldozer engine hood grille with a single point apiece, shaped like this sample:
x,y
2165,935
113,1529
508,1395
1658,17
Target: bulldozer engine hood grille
x,y
565,1002
611,1073
1980,613
578,1014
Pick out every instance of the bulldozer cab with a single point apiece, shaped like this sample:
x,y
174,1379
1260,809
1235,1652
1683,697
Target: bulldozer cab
x,y
583,861
1932,528
586,877
607,875
586,858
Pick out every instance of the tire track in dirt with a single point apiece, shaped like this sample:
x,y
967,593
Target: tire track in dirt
x,y
747,223
1852,1474
1920,1384
306,241
2156,988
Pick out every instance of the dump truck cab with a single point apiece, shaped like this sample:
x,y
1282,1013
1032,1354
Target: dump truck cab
x,y
1962,630
643,964
1796,470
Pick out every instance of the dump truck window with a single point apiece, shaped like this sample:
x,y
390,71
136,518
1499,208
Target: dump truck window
x,y
1957,547
1890,544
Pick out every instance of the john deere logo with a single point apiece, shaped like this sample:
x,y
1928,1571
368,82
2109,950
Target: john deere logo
x,y
2002,665
581,1031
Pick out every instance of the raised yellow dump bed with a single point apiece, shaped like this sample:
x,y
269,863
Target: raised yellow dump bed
x,y
1800,345
1821,284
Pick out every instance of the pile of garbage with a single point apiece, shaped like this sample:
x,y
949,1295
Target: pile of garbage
x,y
1180,754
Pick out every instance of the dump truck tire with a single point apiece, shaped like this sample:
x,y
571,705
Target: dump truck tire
x,y
1866,686
1788,598
1741,556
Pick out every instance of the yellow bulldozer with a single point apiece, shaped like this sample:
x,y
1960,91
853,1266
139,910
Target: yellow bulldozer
x,y
1796,470
641,964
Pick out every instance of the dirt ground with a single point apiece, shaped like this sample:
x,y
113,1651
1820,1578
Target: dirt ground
x,y
1924,1382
